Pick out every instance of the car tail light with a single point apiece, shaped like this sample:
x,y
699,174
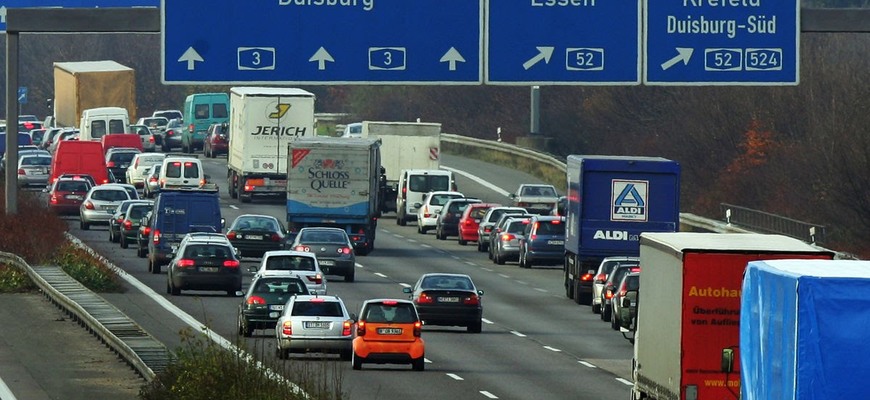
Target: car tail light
x,y
600,278
151,139
152,179
255,301
487,229
128,225
185,262
468,222
608,293
190,128
507,237
21,171
119,220
623,291
345,328
276,238
106,180
343,250
202,182
231,235
89,205
361,328
556,222
287,328
471,300
586,277
156,236
110,164
169,132
317,279
249,188
188,164
302,248
147,230
418,329
231,263
53,199
425,298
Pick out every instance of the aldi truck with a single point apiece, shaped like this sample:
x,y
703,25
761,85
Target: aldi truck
x,y
404,146
263,121
334,182
611,200
686,346
803,330
83,85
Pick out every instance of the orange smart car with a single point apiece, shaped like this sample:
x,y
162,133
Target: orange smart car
x,y
388,332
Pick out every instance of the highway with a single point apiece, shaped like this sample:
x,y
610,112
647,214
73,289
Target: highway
x,y
536,343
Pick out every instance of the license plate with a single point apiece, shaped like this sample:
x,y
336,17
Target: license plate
x,y
109,208
208,269
389,331
253,237
277,307
559,242
449,299
316,324
74,197
327,263
274,314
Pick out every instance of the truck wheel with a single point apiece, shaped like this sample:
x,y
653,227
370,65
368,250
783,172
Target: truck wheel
x,y
569,287
231,185
400,219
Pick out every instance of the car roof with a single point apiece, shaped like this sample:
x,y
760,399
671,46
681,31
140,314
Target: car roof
x,y
448,274
273,253
322,228
381,300
309,297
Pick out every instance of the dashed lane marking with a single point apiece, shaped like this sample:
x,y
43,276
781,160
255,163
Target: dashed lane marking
x,y
456,377
518,334
403,284
552,349
488,394
584,363
380,274
541,290
625,381
486,321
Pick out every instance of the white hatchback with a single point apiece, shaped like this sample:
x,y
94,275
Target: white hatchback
x,y
296,263
139,167
427,211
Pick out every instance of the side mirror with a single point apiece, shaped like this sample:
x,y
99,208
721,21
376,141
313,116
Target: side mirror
x,y
418,205
512,195
591,272
207,177
253,269
727,360
406,290
224,224
45,190
480,292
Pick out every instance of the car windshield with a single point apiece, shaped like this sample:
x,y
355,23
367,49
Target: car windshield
x,y
477,213
516,227
441,199
256,224
280,286
382,312
550,228
36,161
206,251
137,212
122,157
317,309
446,283
290,263
632,282
428,183
316,236
538,191
110,195
496,214
458,207
72,186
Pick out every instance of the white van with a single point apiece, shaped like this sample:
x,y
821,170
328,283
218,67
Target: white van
x,y
183,172
100,121
413,186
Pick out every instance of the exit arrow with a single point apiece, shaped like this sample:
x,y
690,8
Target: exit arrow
x,y
683,54
544,54
451,57
191,57
321,56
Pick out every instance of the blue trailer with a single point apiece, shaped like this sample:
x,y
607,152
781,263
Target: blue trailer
x,y
611,200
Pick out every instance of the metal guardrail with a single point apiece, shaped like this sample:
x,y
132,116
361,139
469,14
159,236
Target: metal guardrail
x,y
144,353
761,221
506,148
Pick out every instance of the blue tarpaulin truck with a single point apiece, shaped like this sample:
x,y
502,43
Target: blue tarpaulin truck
x,y
611,200
334,182
803,330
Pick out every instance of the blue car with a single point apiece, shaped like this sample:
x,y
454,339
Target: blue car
x,y
543,242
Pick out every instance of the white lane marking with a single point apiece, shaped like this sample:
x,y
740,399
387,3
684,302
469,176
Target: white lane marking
x,y
518,334
486,321
456,257
478,180
522,282
412,241
471,263
427,361
486,269
426,246
504,276
403,284
541,290
586,364
380,274
627,382
358,265
456,377
397,236
5,392
233,206
552,349
488,394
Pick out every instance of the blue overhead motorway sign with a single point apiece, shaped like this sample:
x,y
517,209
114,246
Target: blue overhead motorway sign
x,y
6,4
721,42
322,41
564,42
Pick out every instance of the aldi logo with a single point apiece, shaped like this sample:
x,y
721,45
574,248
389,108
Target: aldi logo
x,y
629,200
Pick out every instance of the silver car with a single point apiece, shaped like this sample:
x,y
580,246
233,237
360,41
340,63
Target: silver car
x,y
99,204
506,247
34,169
152,181
315,323
604,269
145,136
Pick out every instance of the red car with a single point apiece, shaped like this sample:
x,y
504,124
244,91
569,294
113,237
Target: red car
x,y
216,140
470,220
67,193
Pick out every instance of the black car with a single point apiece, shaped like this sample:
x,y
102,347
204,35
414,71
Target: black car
x,y
115,224
118,160
265,300
129,228
142,235
255,234
448,218
448,300
204,263
610,287
331,246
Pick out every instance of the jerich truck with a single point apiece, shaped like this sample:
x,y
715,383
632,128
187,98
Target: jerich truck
x,y
687,342
83,85
803,327
404,145
611,200
263,121
333,182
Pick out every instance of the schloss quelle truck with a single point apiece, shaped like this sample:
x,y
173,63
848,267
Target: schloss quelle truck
x,y
686,346
611,200
334,182
263,121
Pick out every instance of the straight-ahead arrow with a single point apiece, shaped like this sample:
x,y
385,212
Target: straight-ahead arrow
x,y
321,56
191,57
451,57
544,54
683,54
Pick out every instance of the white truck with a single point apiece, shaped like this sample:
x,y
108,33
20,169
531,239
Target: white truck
x,y
404,146
263,122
